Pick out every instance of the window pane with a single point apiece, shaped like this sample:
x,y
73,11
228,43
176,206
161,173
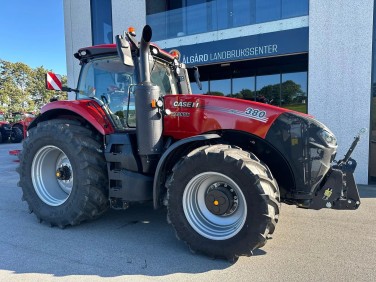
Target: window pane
x,y
243,12
243,88
294,8
101,20
109,81
162,76
197,17
158,24
268,89
220,87
223,14
294,91
196,90
175,25
268,10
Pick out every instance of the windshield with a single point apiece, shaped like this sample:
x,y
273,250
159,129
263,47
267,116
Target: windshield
x,y
109,81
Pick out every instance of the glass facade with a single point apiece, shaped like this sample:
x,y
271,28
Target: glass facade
x,y
101,21
175,18
281,86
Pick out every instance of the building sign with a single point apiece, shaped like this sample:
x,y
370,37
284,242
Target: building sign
x,y
247,47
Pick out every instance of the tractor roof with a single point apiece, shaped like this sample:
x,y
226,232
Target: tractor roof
x,y
86,53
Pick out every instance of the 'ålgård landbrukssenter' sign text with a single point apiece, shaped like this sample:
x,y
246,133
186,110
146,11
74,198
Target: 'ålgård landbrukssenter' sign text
x,y
247,47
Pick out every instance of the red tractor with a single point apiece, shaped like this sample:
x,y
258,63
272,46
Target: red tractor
x,y
22,121
7,132
220,165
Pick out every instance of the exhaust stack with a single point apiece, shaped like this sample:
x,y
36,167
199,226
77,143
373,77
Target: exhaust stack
x,y
148,119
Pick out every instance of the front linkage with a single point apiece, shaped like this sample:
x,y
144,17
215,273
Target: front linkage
x,y
339,190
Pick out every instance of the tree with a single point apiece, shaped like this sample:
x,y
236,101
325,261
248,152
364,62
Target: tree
x,y
22,89
291,91
215,93
247,94
14,84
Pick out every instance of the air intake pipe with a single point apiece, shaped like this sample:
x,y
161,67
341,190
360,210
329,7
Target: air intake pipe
x,y
148,119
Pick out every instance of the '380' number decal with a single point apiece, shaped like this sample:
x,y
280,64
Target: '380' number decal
x,y
256,114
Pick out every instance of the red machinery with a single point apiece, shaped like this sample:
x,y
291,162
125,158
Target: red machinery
x,y
135,133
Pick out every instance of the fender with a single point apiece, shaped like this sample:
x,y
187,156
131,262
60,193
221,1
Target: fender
x,y
89,110
163,161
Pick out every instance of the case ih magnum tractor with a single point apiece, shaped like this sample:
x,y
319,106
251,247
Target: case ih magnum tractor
x,y
220,165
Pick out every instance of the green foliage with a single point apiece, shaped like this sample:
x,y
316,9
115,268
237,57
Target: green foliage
x,y
216,93
22,89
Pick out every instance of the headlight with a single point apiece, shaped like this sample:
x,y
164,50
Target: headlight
x,y
328,138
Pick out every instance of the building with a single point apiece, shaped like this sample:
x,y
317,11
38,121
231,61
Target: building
x,y
311,56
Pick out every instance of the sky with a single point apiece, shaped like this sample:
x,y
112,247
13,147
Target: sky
x,y
32,32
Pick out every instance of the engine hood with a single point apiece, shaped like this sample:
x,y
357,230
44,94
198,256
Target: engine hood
x,y
196,114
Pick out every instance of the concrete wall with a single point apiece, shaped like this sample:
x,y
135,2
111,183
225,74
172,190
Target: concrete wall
x,y
77,24
339,76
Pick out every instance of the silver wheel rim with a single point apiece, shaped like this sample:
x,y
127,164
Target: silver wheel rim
x,y
51,189
201,219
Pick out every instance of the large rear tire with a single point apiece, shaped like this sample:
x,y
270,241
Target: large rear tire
x,y
222,201
63,173
17,135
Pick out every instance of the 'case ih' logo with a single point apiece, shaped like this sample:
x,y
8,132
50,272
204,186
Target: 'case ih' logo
x,y
178,104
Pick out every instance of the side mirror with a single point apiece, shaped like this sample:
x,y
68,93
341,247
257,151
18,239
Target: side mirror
x,y
124,50
197,77
53,82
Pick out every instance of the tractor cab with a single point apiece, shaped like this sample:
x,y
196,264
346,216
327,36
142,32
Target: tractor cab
x,y
111,72
107,80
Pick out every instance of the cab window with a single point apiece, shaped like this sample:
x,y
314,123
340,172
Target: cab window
x,y
162,76
109,81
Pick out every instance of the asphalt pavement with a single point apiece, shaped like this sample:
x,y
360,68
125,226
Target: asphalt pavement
x,y
138,244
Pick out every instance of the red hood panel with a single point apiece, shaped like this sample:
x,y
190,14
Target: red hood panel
x,y
196,114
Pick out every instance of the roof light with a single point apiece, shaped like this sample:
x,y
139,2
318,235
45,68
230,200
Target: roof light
x,y
175,53
132,30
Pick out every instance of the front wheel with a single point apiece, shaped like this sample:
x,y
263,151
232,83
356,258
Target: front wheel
x,y
222,201
63,173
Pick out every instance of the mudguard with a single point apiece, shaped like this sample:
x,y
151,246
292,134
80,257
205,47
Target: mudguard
x,y
89,110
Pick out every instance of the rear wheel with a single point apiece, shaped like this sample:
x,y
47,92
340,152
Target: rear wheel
x,y
17,135
63,173
222,201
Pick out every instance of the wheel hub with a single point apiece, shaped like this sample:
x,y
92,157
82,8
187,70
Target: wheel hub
x,y
63,173
220,199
